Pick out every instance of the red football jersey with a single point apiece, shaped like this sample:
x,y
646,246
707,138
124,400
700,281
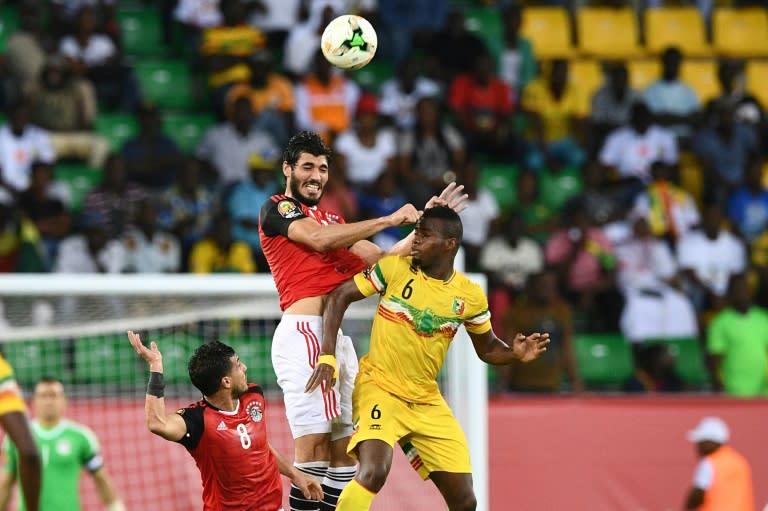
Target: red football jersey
x,y
230,448
299,271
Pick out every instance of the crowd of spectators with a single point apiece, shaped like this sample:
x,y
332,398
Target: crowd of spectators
x,y
639,211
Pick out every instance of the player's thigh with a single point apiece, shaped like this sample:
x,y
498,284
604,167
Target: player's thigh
x,y
346,359
377,415
456,490
438,440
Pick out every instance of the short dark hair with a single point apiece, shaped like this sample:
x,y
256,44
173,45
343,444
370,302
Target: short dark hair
x,y
48,379
450,225
208,365
305,142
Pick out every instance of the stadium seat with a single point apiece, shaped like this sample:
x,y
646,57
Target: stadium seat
x,y
500,180
485,22
587,74
177,348
167,83
681,27
256,353
643,72
107,359
79,180
740,32
603,360
702,76
607,32
757,78
117,128
372,76
9,23
549,30
689,359
187,130
142,32
33,359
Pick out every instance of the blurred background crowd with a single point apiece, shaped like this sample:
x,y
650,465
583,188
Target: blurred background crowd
x,y
614,153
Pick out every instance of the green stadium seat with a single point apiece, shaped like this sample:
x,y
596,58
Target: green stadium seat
x,y
486,24
689,360
142,32
500,181
117,128
107,359
256,353
187,129
9,23
373,75
603,360
34,359
177,348
167,83
79,179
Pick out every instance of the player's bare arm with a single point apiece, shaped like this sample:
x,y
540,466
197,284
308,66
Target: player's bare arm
x,y
16,425
167,425
323,238
106,490
7,482
336,305
492,350
307,484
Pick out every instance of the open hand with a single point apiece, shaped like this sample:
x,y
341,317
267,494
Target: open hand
x,y
308,485
451,196
529,348
151,355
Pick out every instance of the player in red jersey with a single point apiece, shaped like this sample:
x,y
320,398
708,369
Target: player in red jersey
x,y
225,432
311,251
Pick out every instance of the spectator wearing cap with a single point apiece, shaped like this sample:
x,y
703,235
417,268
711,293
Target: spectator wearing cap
x,y
367,149
722,480
152,157
21,143
271,96
229,146
92,250
244,200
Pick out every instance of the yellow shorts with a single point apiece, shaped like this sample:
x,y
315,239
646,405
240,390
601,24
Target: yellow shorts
x,y
430,435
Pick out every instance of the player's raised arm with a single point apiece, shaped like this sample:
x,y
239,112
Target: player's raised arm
x,y
494,351
335,306
167,425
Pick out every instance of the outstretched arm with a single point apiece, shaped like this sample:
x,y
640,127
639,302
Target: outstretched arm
x,y
16,425
167,425
335,306
494,351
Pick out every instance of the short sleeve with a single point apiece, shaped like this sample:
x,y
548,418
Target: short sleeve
x,y
277,215
717,337
478,318
91,457
374,279
610,154
193,419
703,475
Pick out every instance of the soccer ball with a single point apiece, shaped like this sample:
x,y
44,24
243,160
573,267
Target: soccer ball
x,y
349,42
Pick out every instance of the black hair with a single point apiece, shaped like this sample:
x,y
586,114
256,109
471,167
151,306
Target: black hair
x,y
48,379
208,365
450,226
305,142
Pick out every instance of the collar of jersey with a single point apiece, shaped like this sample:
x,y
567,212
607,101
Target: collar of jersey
x,y
50,433
443,281
225,412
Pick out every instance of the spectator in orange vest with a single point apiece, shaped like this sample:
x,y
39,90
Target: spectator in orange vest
x,y
722,480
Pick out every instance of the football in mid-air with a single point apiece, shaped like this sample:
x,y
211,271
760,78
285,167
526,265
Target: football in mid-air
x,y
349,42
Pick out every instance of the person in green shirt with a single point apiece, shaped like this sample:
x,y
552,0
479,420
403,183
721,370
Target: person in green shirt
x,y
66,447
738,343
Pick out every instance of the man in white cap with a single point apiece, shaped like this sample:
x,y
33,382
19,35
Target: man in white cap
x,y
722,480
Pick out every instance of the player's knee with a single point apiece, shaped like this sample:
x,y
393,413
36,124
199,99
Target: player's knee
x,y
373,475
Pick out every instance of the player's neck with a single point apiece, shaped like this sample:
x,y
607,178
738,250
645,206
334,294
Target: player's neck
x,y
48,424
439,271
223,401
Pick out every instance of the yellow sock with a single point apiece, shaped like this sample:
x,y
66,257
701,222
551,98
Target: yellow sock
x,y
355,497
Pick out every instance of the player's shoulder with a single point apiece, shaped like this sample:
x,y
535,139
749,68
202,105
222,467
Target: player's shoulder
x,y
466,284
198,407
283,205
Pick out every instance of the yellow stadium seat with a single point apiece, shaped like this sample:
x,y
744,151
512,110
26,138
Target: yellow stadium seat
x,y
608,32
682,27
643,72
549,30
740,32
702,76
757,81
588,76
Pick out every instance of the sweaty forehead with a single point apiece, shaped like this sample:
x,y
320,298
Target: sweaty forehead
x,y
311,159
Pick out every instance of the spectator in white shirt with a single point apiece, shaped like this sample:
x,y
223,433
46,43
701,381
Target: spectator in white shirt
x,y
198,14
673,102
708,257
400,95
367,149
302,43
92,251
631,149
149,249
480,212
510,257
21,143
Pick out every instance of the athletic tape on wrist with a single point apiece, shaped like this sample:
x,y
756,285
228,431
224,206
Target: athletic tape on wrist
x,y
329,360
156,385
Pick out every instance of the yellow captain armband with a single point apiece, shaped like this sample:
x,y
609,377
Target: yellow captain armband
x,y
331,361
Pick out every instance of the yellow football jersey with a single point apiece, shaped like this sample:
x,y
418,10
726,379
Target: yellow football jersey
x,y
415,322
10,394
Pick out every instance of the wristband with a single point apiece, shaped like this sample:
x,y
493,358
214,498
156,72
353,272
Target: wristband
x,y
331,361
156,385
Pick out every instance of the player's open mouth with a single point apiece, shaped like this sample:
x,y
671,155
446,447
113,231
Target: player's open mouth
x,y
314,188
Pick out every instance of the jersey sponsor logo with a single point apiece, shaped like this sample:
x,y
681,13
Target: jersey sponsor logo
x,y
458,306
63,447
254,411
288,209
221,426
